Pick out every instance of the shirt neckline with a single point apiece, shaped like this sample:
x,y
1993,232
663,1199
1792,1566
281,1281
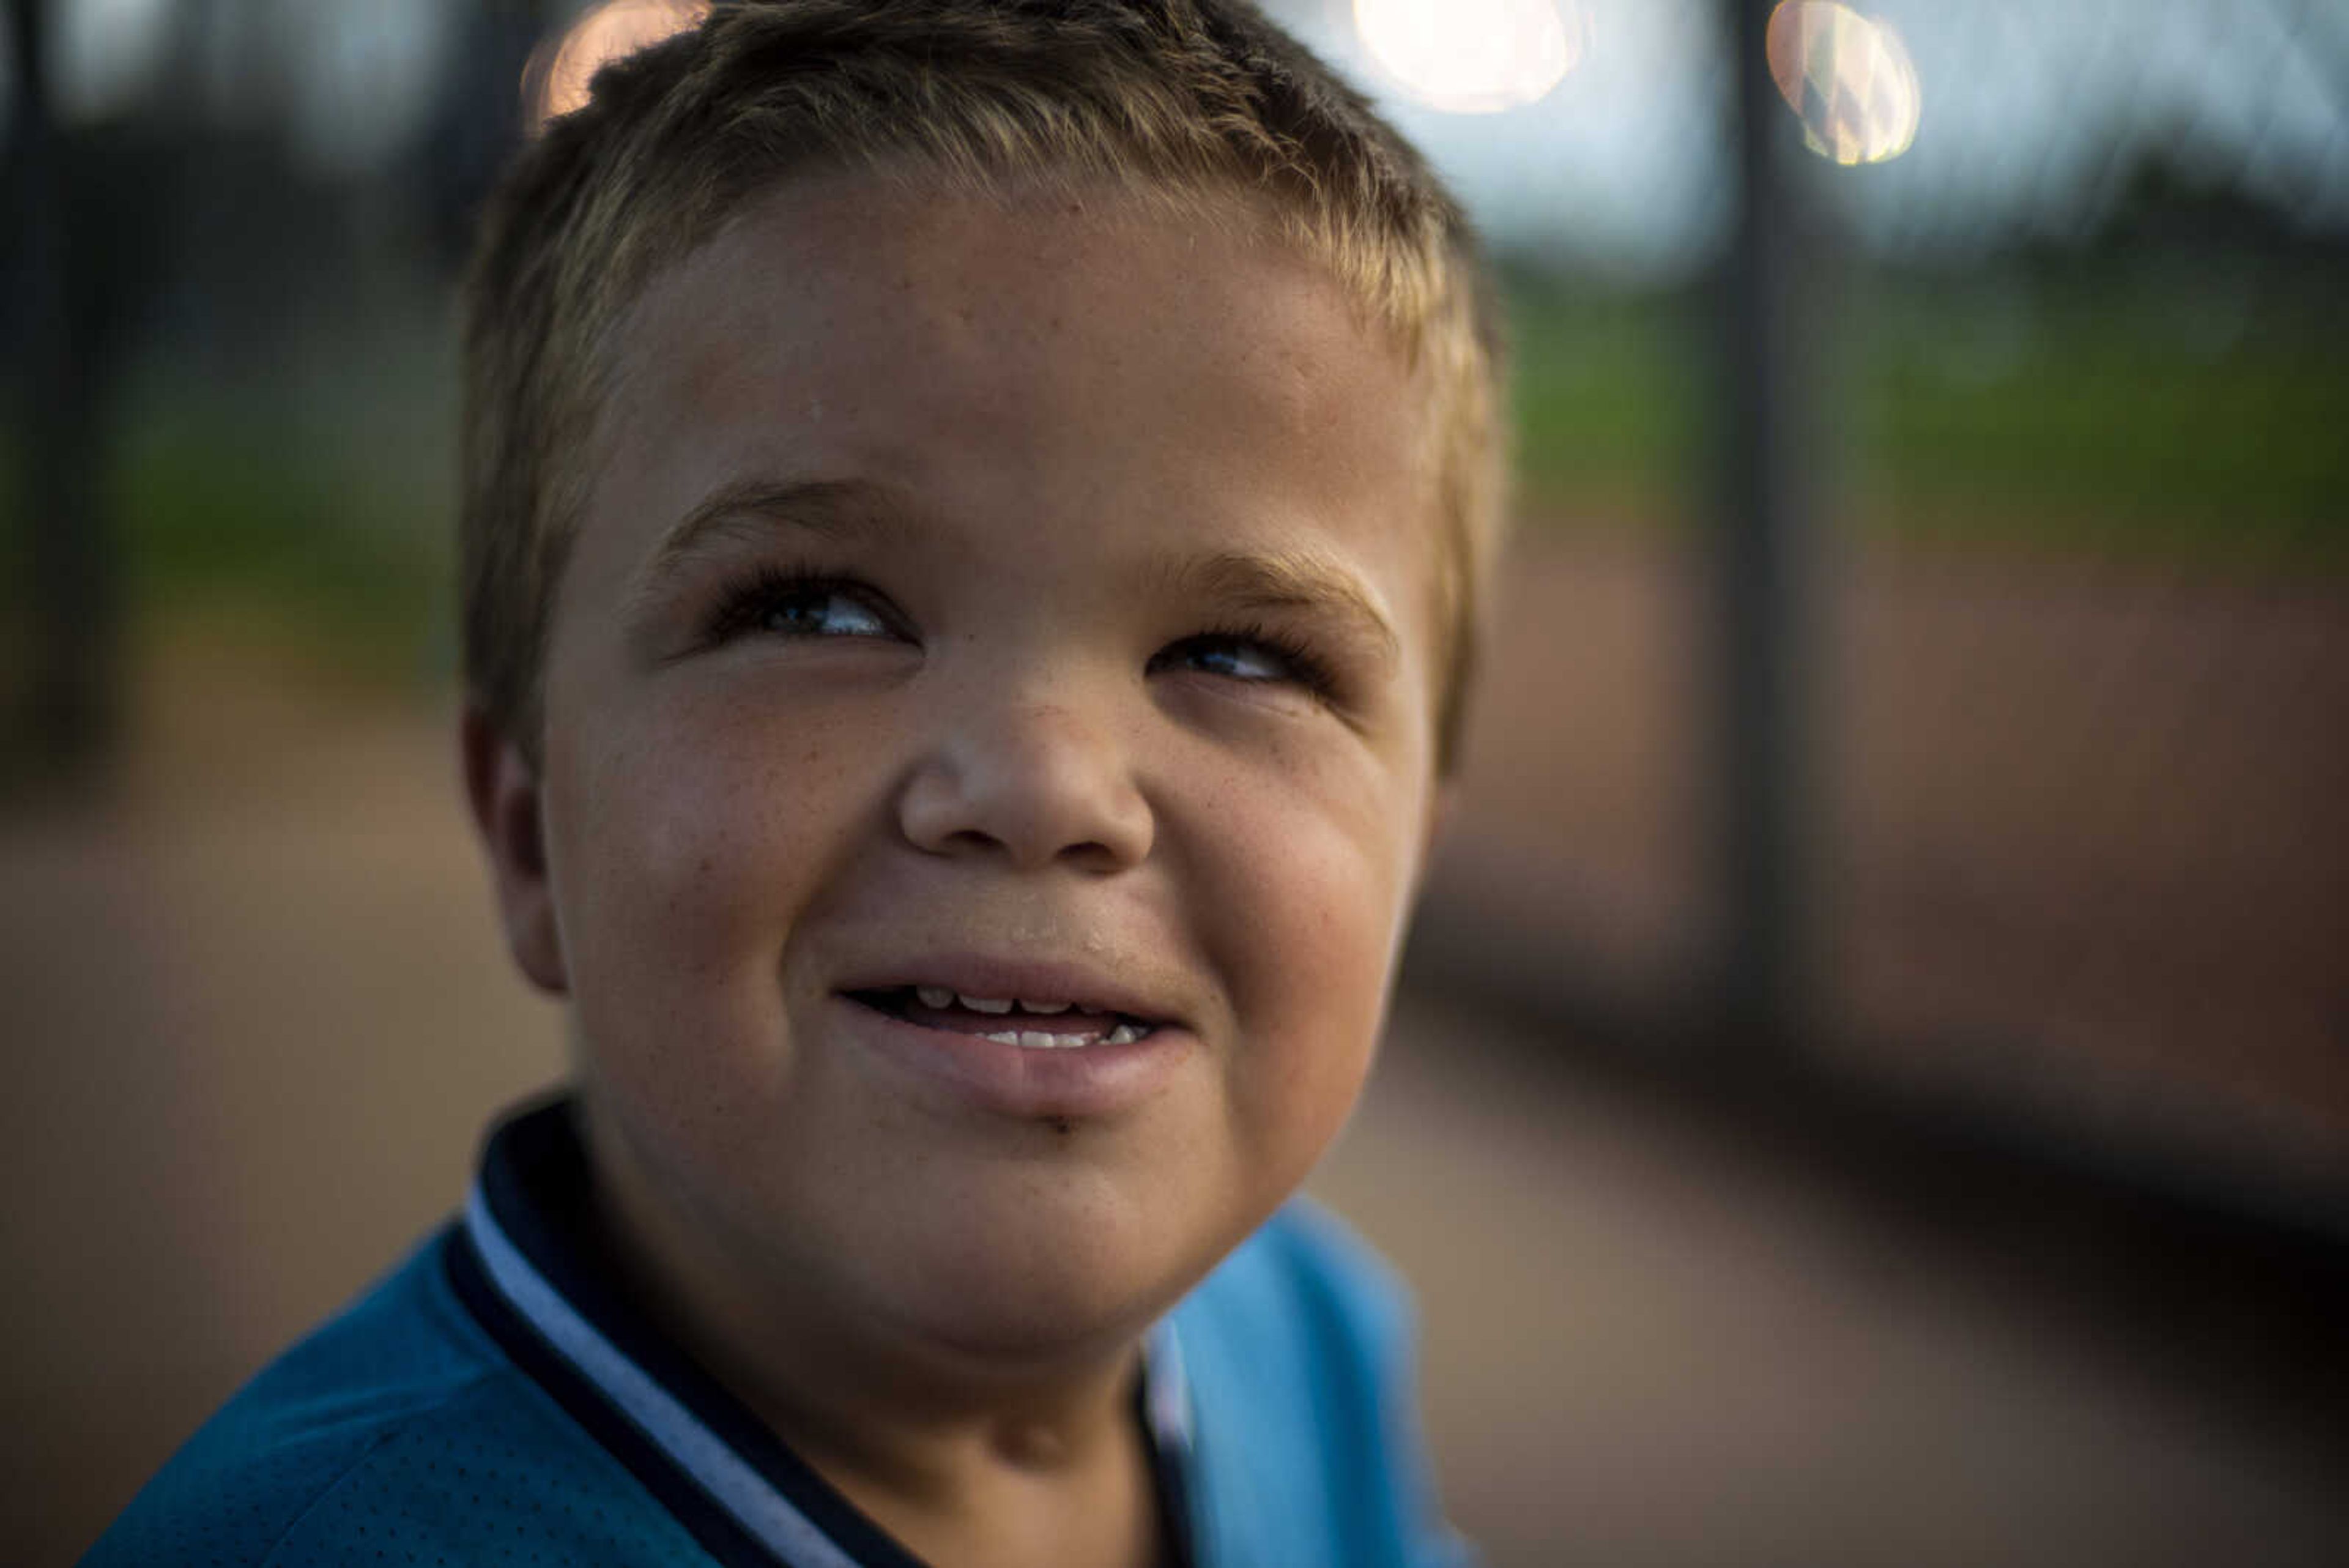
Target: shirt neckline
x,y
524,1263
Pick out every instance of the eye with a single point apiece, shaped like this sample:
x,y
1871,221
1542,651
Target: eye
x,y
796,605
1255,657
813,610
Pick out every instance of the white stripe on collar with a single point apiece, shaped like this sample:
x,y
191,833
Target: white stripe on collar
x,y
765,1513
742,1491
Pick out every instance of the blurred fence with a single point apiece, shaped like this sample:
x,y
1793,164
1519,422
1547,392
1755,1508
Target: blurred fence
x,y
1925,672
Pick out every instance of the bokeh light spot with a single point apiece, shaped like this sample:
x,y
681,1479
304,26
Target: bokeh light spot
x,y
556,81
1474,57
1848,79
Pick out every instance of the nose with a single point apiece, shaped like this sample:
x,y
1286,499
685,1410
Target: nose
x,y
1037,784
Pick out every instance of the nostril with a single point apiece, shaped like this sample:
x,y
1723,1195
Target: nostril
x,y
1093,856
1061,797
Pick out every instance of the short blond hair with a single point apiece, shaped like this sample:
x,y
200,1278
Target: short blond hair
x,y
1181,100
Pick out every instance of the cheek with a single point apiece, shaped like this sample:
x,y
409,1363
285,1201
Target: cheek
x,y
1310,909
688,842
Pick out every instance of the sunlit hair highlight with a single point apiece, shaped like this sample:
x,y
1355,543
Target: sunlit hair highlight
x,y
1187,103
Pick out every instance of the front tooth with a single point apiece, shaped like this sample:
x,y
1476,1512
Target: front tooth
x,y
934,995
1043,1039
1046,1008
1003,1037
985,1004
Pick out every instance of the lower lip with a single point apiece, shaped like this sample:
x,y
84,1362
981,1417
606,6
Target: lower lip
x,y
1071,1081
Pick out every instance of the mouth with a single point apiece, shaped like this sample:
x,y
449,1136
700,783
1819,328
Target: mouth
x,y
1066,1043
1032,1024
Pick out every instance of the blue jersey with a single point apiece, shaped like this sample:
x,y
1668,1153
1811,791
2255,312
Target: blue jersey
x,y
497,1401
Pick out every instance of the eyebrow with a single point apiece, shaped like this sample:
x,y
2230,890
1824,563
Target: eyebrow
x,y
1266,580
832,507
1289,581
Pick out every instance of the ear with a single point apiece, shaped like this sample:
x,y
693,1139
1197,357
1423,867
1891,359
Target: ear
x,y
503,789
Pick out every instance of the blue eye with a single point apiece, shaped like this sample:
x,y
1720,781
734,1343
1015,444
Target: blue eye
x,y
1241,660
797,605
1259,657
815,609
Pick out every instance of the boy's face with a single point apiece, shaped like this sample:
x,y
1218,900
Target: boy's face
x,y
1011,603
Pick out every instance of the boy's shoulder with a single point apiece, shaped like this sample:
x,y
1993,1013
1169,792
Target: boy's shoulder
x,y
1297,1352
396,1428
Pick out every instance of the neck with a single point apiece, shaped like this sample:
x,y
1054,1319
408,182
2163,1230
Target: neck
x,y
966,1454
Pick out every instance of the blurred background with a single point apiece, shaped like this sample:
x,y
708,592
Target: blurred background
x,y
1872,1079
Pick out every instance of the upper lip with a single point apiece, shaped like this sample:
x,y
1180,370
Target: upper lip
x,y
1085,986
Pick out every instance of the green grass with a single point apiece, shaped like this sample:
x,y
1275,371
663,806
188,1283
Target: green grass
x,y
2240,453
1606,393
2094,423
349,549
310,502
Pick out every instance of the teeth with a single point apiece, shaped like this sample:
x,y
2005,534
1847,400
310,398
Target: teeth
x,y
1040,1040
939,996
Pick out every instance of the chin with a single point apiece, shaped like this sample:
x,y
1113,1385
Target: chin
x,y
1030,1281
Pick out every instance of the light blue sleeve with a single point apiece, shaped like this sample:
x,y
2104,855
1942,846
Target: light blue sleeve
x,y
1308,1448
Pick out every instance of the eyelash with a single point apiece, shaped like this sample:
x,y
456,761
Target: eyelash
x,y
744,607
1311,671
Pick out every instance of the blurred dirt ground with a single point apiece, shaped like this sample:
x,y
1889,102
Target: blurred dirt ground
x,y
260,1013
2082,831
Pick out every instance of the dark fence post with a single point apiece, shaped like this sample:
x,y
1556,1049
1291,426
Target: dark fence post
x,y
73,608
1763,541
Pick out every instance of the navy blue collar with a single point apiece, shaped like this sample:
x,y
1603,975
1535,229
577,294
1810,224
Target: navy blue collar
x,y
526,1263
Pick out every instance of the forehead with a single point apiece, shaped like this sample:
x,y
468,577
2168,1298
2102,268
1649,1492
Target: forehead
x,y
1030,355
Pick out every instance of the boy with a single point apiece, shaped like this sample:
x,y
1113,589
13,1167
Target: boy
x,y
973,514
